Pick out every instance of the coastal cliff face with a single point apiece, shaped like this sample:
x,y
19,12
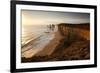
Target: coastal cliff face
x,y
71,42
75,43
74,29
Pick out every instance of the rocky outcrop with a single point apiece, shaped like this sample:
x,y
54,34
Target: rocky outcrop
x,y
82,29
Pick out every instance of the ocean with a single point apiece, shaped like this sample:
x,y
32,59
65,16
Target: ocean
x,y
35,38
31,32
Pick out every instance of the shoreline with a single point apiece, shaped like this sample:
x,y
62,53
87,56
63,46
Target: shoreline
x,y
74,46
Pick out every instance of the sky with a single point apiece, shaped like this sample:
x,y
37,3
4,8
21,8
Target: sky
x,y
36,17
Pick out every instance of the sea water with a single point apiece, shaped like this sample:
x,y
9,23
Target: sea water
x,y
30,32
35,38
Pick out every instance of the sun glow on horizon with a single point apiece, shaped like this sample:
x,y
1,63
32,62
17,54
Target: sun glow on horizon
x,y
33,17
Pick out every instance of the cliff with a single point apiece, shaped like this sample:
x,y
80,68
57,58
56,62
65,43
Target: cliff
x,y
82,29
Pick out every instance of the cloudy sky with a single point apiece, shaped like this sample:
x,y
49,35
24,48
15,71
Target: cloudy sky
x,y
33,17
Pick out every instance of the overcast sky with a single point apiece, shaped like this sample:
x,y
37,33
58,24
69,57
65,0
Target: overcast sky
x,y
33,17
